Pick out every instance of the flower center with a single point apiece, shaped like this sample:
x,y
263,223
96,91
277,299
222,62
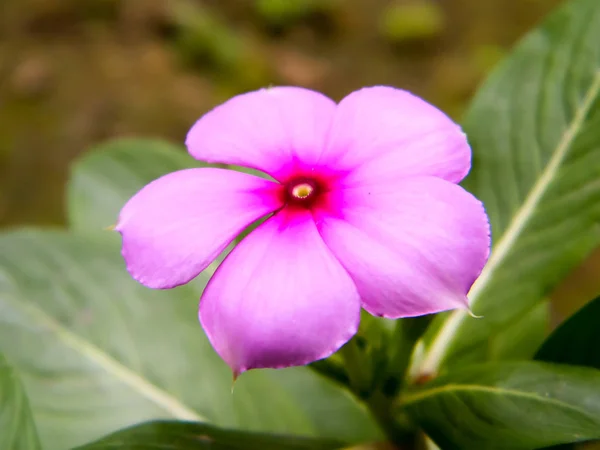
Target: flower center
x,y
301,192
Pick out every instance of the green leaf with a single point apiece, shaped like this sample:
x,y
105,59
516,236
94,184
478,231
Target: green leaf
x,y
577,340
98,352
116,353
184,436
522,337
17,427
105,178
521,405
535,132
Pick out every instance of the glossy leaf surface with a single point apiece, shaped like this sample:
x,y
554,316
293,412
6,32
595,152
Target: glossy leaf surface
x,y
523,405
185,436
535,132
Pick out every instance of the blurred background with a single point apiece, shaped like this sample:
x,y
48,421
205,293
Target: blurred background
x,y
76,72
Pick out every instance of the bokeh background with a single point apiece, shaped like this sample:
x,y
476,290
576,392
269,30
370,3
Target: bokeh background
x,y
76,72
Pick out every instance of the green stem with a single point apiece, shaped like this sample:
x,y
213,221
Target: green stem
x,y
358,368
408,332
401,434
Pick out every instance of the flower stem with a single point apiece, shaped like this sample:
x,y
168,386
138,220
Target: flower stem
x,y
408,331
358,368
398,432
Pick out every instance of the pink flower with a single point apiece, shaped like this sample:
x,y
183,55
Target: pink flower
x,y
364,211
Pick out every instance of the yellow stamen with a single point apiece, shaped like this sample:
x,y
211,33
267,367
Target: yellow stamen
x,y
302,190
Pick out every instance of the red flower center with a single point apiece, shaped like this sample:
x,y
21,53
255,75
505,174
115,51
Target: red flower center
x,y
302,192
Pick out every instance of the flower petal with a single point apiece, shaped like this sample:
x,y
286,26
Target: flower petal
x,y
177,225
413,247
381,133
280,298
271,130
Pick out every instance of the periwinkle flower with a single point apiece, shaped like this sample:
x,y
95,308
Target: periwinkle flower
x,y
364,211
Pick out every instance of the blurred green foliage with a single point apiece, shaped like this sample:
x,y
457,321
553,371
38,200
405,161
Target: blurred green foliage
x,y
76,72
414,20
284,13
80,71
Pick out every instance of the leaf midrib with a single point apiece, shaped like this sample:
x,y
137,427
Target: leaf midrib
x,y
111,366
416,397
445,336
20,406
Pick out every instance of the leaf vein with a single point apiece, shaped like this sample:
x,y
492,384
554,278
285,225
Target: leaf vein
x,y
148,390
520,220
